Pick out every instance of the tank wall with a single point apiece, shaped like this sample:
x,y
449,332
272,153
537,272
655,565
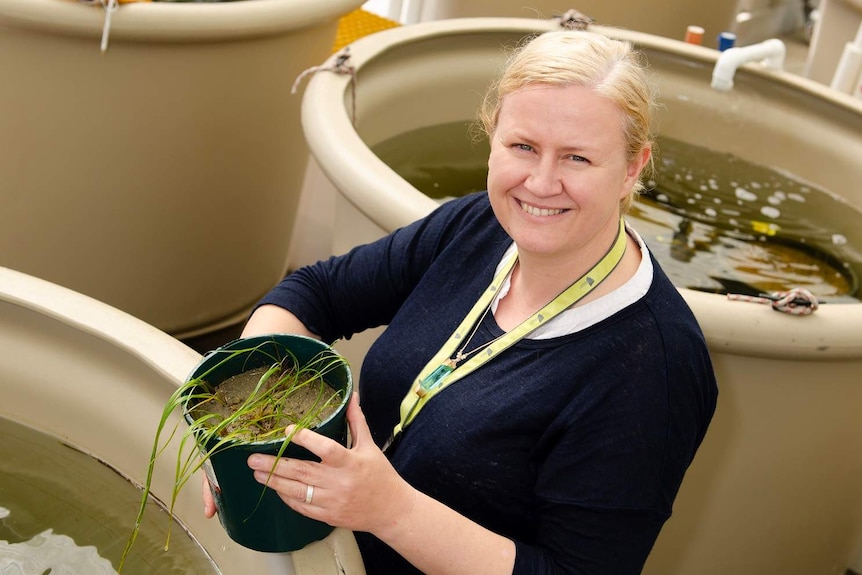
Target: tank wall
x,y
761,121
766,119
97,379
667,18
425,97
140,174
446,80
774,487
101,400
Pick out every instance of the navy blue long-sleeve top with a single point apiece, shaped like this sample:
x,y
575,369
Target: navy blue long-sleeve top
x,y
574,446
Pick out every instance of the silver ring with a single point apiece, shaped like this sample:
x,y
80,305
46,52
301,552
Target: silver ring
x,y
309,493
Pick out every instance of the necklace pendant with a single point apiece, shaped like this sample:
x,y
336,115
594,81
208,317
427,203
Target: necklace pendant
x,y
435,378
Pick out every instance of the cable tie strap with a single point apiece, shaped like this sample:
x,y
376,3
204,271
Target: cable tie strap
x,y
340,66
575,20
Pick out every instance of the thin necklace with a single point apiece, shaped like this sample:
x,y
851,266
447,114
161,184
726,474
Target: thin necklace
x,y
461,355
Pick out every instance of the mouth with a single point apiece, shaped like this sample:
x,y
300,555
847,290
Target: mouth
x,y
539,212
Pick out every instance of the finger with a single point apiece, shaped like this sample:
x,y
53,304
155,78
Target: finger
x,y
272,468
209,500
262,462
326,449
289,489
292,488
359,429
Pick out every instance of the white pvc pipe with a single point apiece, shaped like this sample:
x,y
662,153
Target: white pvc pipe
x,y
770,52
848,70
848,73
394,10
413,12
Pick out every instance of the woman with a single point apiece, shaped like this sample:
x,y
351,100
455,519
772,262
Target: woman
x,y
541,386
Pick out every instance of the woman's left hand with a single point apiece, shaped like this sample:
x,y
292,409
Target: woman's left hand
x,y
354,488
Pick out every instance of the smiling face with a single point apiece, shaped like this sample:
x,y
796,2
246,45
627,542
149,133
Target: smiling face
x,y
558,171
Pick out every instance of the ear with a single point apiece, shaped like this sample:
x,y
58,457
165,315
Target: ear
x,y
636,167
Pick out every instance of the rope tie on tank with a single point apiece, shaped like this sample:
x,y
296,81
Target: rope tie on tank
x,y
574,20
110,7
798,301
339,66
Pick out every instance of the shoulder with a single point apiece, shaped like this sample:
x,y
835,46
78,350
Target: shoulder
x,y
467,220
474,206
665,300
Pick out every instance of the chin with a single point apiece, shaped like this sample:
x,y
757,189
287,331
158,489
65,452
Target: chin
x,y
537,246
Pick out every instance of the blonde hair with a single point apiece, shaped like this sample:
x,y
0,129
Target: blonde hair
x,y
613,68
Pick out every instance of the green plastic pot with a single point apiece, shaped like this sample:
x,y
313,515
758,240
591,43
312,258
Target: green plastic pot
x,y
251,514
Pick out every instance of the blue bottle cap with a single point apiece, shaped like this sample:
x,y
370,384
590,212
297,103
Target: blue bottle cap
x,y
726,40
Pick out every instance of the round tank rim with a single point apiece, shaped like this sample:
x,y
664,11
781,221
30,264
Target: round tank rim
x,y
175,22
832,332
158,350
172,359
373,46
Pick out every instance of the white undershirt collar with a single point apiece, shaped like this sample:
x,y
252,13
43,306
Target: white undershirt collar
x,y
583,316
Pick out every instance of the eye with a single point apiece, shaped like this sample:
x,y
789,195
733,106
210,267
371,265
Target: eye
x,y
523,147
577,158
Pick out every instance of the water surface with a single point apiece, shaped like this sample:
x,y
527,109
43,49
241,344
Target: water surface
x,y
715,222
63,511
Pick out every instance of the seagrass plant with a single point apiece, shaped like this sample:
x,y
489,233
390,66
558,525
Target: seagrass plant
x,y
261,417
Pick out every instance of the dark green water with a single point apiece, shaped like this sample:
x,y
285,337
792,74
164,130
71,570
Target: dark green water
x,y
715,222
88,508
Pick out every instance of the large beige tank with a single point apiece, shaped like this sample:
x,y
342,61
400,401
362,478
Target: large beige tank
x,y
775,487
97,379
161,176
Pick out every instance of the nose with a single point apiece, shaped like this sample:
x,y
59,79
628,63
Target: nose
x,y
544,178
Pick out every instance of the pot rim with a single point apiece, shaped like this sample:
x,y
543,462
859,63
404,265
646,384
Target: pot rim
x,y
276,337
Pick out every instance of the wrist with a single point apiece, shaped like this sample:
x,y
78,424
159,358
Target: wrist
x,y
397,520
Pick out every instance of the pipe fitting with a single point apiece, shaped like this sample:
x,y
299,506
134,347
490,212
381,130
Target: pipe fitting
x,y
770,53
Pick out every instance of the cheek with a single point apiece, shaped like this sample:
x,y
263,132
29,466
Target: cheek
x,y
501,173
494,172
498,185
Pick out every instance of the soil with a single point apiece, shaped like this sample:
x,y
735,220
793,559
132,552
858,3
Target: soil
x,y
290,405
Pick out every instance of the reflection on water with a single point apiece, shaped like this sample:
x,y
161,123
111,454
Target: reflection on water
x,y
49,553
716,222
62,511
744,224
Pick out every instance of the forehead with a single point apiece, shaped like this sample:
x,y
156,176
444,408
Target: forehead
x,y
548,107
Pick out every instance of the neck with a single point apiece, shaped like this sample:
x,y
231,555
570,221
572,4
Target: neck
x,y
552,273
538,279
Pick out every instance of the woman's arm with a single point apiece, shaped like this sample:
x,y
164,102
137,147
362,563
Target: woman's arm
x,y
366,287
429,534
436,539
274,319
358,489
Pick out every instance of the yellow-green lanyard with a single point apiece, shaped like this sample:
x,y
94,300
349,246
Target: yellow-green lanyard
x,y
443,371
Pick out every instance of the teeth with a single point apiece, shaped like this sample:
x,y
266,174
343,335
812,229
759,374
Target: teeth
x,y
534,211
